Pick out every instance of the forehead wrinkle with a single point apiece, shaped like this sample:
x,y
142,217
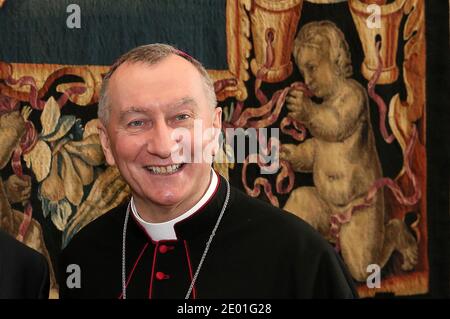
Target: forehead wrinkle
x,y
141,109
184,101
132,109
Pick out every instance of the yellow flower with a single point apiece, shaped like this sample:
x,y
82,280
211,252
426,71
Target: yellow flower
x,y
61,164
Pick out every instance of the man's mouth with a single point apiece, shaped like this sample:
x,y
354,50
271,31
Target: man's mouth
x,y
166,169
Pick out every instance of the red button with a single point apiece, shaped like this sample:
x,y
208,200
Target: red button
x,y
164,249
161,276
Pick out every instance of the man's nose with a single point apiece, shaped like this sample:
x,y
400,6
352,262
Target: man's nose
x,y
160,142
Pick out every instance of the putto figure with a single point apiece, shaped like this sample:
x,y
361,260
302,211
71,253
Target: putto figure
x,y
341,154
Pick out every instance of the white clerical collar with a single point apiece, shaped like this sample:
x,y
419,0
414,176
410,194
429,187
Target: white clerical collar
x,y
165,230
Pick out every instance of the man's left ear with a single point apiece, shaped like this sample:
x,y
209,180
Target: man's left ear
x,y
106,145
217,118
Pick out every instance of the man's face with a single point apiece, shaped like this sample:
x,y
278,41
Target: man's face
x,y
147,105
317,71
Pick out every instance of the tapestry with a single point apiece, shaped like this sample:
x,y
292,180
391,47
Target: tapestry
x,y
357,165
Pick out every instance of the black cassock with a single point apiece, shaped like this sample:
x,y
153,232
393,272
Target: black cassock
x,y
24,273
259,251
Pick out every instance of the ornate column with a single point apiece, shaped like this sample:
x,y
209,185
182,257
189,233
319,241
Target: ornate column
x,y
274,22
390,18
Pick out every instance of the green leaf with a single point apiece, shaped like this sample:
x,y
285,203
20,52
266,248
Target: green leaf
x,y
64,125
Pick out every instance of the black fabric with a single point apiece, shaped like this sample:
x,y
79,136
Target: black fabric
x,y
438,145
109,29
23,271
259,251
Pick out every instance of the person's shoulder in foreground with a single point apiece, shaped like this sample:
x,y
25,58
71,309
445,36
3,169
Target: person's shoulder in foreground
x,y
318,270
24,272
93,247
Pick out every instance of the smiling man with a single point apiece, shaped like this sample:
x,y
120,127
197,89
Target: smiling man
x,y
185,233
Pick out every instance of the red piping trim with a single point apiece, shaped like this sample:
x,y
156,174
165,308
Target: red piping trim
x,y
153,271
194,293
134,267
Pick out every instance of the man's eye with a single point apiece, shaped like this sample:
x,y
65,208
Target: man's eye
x,y
136,123
182,117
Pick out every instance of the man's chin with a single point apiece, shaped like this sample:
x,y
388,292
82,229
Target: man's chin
x,y
164,189
166,200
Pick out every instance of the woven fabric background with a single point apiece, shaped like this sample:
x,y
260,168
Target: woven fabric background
x,y
55,181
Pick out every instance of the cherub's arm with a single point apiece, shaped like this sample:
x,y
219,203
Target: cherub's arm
x,y
333,120
300,156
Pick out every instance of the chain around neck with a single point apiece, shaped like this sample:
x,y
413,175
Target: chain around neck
x,y
202,259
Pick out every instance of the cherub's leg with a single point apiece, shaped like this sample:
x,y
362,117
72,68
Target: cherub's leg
x,y
361,239
306,203
397,237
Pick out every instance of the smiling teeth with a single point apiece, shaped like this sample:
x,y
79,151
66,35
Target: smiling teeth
x,y
164,169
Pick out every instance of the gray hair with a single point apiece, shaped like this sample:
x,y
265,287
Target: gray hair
x,y
320,33
151,54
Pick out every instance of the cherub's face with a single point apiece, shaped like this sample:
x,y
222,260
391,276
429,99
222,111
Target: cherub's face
x,y
317,70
